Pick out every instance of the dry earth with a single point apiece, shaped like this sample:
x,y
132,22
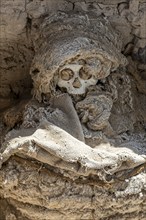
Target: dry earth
x,y
32,189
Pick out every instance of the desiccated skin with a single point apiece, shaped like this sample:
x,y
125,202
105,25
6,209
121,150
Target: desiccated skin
x,y
95,111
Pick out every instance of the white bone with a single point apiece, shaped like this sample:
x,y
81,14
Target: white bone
x,y
68,84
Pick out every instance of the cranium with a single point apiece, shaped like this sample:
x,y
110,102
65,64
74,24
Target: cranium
x,y
78,76
75,78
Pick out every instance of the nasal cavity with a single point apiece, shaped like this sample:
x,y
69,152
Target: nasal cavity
x,y
76,83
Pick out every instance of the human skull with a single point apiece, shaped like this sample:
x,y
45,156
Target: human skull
x,y
78,76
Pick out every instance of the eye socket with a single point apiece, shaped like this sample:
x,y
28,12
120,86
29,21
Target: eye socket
x,y
66,74
84,74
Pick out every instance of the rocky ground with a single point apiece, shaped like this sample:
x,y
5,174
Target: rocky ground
x,y
28,188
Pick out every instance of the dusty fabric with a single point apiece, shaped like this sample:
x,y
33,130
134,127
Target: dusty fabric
x,y
81,156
